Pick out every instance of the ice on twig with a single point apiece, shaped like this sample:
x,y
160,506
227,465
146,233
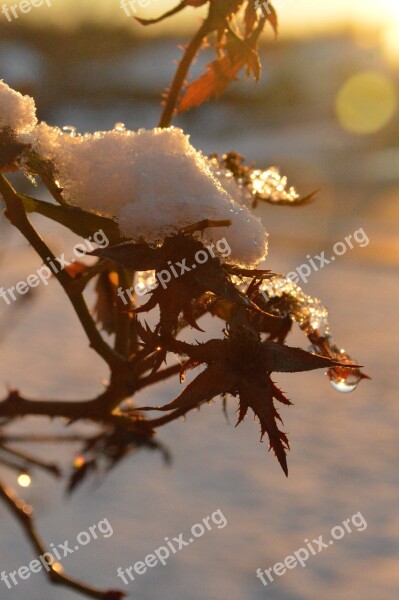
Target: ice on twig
x,y
307,311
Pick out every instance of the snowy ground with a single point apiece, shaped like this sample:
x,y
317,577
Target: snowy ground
x,y
343,460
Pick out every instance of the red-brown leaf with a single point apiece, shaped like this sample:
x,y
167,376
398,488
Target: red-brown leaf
x,y
273,19
215,380
283,359
250,17
212,84
260,399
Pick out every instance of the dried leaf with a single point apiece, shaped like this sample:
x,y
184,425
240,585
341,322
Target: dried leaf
x,y
250,17
283,359
213,83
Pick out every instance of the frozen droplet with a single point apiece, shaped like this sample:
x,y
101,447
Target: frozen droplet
x,y
120,127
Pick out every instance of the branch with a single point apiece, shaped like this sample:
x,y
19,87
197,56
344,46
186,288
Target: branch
x,y
15,212
17,406
181,73
124,333
23,514
51,468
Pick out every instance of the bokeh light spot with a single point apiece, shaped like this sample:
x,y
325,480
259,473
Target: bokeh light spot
x,y
366,102
24,480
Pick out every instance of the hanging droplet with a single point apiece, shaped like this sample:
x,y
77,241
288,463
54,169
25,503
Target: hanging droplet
x,y
344,384
24,480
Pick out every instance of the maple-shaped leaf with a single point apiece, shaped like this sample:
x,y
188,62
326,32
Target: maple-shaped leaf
x,y
137,257
105,451
284,359
260,399
250,17
236,53
220,73
240,365
272,17
175,293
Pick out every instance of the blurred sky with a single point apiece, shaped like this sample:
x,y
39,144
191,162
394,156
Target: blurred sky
x,y
297,17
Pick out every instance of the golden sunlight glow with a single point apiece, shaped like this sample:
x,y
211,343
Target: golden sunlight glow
x,y
79,462
57,567
391,41
24,480
366,102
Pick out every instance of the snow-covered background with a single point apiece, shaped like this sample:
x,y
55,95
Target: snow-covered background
x,y
344,447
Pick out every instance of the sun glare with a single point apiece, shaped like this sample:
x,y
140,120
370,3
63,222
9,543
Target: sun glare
x,y
391,34
366,102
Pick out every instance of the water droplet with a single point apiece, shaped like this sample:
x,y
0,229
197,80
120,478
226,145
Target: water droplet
x,y
345,384
120,127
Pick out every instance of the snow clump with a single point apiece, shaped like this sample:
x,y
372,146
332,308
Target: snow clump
x,y
153,182
17,112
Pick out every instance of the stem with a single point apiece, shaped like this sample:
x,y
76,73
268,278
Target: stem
x,y
23,514
181,74
17,406
32,460
124,317
16,214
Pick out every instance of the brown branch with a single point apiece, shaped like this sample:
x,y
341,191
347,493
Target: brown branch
x,y
23,514
181,73
17,406
51,468
124,333
10,464
43,439
16,214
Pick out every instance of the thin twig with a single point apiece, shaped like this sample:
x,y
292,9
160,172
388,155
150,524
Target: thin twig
x,y
32,460
181,74
16,214
23,514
